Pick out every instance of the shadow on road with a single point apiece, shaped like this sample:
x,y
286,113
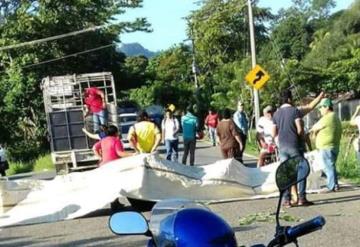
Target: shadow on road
x,y
337,200
244,228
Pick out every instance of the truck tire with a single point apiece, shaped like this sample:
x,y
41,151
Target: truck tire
x,y
141,205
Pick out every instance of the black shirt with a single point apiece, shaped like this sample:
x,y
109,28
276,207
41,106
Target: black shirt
x,y
284,119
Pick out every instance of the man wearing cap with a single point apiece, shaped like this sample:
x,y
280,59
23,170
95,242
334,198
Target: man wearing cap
x,y
263,134
242,124
328,134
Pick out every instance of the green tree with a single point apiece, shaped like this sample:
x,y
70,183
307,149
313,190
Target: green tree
x,y
169,79
23,117
221,37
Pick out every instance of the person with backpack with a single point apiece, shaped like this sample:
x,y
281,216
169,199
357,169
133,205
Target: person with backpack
x,y
170,128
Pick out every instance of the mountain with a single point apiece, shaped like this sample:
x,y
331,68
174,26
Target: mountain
x,y
135,49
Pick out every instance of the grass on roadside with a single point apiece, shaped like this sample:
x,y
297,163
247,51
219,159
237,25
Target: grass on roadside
x,y
347,164
42,163
251,144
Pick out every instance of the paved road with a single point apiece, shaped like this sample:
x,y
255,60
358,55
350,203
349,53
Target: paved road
x,y
341,210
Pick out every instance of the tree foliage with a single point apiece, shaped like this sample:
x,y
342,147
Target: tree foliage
x,y
22,69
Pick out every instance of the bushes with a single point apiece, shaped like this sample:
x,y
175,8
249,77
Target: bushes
x,y
23,151
42,163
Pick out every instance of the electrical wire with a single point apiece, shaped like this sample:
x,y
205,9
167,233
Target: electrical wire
x,y
67,56
64,57
61,36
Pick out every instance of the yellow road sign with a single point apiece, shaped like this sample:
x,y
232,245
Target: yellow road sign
x,y
171,107
257,77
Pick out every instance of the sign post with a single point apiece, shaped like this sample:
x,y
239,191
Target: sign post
x,y
253,61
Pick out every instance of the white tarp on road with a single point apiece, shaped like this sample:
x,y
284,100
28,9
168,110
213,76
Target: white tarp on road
x,y
144,176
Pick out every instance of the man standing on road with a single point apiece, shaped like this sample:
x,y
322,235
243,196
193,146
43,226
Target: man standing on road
x,y
229,138
189,124
211,122
289,129
170,129
242,124
328,134
144,136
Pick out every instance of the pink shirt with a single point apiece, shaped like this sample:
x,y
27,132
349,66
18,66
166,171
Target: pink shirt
x,y
212,120
108,148
93,99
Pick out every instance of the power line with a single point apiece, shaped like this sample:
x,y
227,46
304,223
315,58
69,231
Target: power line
x,y
61,36
67,56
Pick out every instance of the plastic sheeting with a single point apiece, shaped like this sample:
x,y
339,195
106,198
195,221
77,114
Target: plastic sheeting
x,y
145,176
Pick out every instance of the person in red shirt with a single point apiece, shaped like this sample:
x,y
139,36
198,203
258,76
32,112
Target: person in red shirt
x,y
211,122
110,148
95,104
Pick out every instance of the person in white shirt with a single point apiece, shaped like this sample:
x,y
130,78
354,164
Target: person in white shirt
x,y
263,135
4,165
355,121
170,129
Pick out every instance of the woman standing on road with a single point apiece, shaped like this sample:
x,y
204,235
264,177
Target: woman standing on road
x,y
229,139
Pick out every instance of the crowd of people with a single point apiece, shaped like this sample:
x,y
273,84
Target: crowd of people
x,y
280,134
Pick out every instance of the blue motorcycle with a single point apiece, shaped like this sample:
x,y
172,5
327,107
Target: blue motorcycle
x,y
184,223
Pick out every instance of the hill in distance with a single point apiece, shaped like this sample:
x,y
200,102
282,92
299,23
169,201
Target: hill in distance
x,y
135,49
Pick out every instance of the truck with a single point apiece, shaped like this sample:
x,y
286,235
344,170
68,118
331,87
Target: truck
x,y
63,96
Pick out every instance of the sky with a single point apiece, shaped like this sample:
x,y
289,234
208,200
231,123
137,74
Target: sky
x,y
169,27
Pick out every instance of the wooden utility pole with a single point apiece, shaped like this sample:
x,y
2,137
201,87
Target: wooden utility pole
x,y
253,61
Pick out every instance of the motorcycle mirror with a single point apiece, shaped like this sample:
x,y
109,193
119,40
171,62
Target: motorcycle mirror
x,y
128,223
291,172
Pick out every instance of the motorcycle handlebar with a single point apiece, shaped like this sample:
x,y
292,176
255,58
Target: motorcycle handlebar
x,y
305,228
290,234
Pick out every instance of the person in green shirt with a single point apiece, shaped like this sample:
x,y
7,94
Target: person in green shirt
x,y
328,134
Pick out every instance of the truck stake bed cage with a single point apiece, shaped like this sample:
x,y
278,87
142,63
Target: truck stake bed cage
x,y
64,105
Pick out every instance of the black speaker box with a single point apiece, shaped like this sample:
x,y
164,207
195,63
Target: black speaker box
x,y
66,130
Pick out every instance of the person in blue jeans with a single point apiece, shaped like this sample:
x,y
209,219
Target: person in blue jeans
x,y
189,124
328,135
170,128
289,129
242,125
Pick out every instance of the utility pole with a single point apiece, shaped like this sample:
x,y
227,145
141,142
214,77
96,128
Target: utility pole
x,y
193,65
253,61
